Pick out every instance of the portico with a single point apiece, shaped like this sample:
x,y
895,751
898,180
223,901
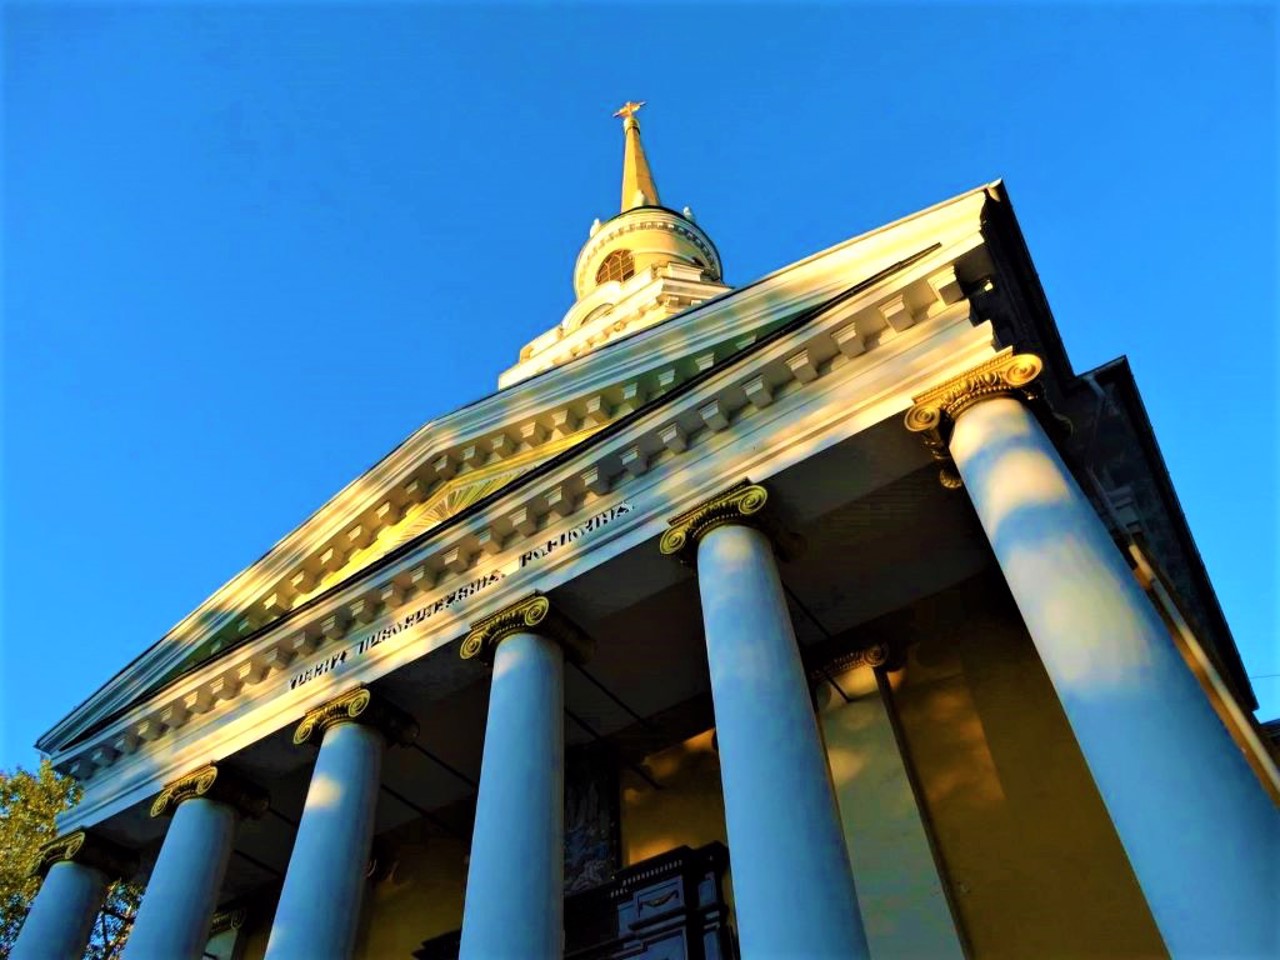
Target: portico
x,y
577,634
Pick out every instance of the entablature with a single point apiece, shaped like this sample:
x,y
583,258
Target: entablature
x,y
811,383
469,456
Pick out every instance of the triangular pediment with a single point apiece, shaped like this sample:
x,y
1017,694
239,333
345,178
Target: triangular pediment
x,y
467,457
443,498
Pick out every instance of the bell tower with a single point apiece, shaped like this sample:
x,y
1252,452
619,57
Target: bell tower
x,y
640,267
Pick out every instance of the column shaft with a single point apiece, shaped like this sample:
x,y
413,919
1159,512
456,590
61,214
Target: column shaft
x,y
792,883
1202,836
515,884
900,893
180,898
319,910
62,914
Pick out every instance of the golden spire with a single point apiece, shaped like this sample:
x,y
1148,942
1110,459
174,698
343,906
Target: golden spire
x,y
638,188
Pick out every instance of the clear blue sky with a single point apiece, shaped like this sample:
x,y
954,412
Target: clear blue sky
x,y
249,248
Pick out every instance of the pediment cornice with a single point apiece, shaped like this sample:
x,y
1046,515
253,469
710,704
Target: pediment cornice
x,y
575,402
586,487
643,472
614,310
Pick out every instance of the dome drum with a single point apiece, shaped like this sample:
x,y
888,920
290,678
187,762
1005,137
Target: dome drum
x,y
653,236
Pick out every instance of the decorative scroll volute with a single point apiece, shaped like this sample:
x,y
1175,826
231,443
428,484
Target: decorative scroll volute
x,y
533,614
89,849
874,656
230,919
737,505
358,706
213,783
934,413
743,503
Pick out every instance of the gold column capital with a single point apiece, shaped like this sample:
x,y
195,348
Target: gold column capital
x,y
828,667
934,412
232,918
533,614
90,849
743,504
214,783
358,706
875,655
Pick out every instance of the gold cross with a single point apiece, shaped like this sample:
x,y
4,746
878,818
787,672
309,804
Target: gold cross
x,y
629,109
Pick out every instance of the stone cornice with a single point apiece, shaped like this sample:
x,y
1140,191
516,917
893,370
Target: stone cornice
x,y
650,353
212,783
795,287
86,847
804,414
362,706
533,614
934,412
616,385
611,312
747,393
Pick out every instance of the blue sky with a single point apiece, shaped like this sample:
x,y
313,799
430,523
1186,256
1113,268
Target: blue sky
x,y
249,248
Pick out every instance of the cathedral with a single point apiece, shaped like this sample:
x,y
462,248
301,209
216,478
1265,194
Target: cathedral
x,y
833,614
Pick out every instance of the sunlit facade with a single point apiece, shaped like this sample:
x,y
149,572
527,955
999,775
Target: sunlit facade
x,y
828,614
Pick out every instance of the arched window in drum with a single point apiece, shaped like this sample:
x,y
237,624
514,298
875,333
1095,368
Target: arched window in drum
x,y
619,265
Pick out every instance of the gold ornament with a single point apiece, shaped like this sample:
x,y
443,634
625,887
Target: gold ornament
x,y
876,655
935,411
215,783
195,784
524,616
230,919
89,849
359,706
55,851
629,109
740,504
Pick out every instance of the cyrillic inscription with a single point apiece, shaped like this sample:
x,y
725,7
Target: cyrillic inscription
x,y
379,635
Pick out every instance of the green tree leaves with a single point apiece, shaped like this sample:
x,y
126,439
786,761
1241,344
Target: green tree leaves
x,y
29,804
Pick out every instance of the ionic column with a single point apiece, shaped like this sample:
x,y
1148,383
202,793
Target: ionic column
x,y
515,884
182,892
76,871
319,909
900,892
791,879
1201,834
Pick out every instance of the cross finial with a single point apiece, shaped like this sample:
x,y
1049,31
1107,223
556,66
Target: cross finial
x,y
629,109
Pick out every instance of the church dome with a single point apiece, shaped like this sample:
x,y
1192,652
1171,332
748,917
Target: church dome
x,y
638,268
639,239
645,234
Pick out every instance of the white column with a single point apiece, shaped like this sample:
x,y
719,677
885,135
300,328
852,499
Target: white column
x,y
900,893
182,893
319,909
515,884
1202,836
792,884
62,914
